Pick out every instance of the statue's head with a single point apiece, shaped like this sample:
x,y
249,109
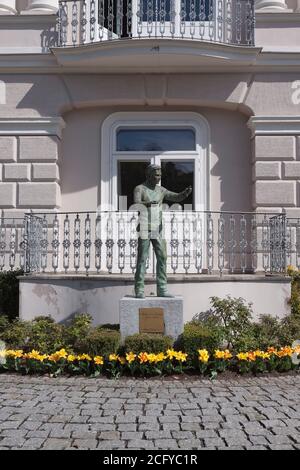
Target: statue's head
x,y
153,174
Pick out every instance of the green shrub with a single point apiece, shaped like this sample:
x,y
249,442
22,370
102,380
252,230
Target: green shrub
x,y
9,293
267,332
150,343
295,291
17,334
41,334
77,329
198,336
235,318
289,330
45,335
98,341
4,323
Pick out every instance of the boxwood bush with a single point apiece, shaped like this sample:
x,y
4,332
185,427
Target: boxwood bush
x,y
98,341
151,343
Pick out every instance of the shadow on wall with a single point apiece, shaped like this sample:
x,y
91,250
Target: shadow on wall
x,y
230,164
49,38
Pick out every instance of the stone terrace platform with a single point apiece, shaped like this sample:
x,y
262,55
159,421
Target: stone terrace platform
x,y
81,413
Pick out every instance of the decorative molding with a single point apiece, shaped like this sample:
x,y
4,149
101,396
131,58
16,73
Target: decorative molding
x,y
287,16
143,52
28,18
137,56
32,126
274,125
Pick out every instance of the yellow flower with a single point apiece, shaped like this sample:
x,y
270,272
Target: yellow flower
x,y
262,354
151,357
33,355
143,357
71,358
42,357
223,354
203,355
130,357
122,360
272,350
242,356
12,353
160,357
171,354
84,357
61,354
113,357
180,356
98,360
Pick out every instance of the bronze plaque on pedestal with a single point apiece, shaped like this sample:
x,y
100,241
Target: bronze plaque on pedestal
x,y
152,320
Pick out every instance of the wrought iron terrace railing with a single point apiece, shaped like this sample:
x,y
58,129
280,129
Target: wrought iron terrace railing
x,y
92,21
106,242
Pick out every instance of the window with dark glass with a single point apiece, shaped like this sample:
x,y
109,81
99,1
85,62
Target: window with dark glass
x,y
151,140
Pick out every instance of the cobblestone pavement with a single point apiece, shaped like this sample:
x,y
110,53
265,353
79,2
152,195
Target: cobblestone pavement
x,y
82,413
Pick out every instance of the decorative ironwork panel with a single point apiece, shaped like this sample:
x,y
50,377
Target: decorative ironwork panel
x,y
44,244
221,21
221,244
55,243
210,242
98,243
278,243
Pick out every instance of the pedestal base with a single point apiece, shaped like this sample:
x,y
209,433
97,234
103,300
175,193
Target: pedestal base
x,y
172,309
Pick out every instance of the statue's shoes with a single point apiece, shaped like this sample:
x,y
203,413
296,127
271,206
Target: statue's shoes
x,y
139,295
165,294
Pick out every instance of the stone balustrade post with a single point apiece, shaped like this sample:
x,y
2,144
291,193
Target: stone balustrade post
x,y
42,6
270,5
8,7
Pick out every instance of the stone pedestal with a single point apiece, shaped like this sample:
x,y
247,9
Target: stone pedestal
x,y
130,314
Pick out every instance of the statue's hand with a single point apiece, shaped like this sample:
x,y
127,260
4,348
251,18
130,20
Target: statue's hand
x,y
188,190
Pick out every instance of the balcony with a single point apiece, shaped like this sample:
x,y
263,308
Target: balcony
x,y
86,22
105,243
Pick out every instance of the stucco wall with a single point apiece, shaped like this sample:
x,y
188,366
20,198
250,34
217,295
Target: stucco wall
x,y
31,105
62,297
230,162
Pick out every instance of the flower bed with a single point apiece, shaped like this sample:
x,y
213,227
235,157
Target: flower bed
x,y
148,364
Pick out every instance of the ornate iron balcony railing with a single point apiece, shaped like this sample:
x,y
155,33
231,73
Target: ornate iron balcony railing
x,y
218,21
106,242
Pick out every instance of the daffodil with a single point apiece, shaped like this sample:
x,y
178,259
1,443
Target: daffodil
x,y
171,354
98,360
130,357
84,357
71,358
113,357
242,356
203,355
143,357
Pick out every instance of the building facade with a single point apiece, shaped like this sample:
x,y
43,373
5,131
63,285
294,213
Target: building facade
x,y
91,91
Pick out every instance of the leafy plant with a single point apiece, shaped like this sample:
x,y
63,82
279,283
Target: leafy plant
x,y
235,317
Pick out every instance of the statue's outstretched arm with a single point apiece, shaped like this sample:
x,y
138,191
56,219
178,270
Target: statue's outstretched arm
x,y
177,197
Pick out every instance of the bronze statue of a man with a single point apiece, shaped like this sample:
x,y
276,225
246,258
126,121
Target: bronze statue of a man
x,y
151,197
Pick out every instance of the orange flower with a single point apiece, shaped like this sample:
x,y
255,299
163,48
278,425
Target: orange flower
x,y
143,357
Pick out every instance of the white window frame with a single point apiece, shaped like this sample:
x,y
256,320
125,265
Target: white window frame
x,y
110,156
